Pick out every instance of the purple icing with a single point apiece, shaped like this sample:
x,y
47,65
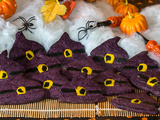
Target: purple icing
x,y
110,47
141,81
12,98
74,69
121,84
58,80
41,58
146,106
78,50
130,66
71,97
11,67
20,46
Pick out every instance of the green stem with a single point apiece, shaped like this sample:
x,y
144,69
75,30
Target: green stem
x,y
126,2
130,15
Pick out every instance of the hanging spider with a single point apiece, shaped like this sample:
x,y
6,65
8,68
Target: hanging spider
x,y
27,25
111,22
84,30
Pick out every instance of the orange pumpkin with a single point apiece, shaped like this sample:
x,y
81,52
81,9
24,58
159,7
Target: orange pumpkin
x,y
113,2
132,23
7,8
122,8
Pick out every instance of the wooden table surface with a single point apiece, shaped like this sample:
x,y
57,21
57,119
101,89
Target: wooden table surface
x,y
143,3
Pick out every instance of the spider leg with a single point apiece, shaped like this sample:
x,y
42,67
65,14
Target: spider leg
x,y
24,20
94,27
31,27
21,28
29,30
87,36
81,28
17,19
90,26
87,24
91,21
31,18
83,36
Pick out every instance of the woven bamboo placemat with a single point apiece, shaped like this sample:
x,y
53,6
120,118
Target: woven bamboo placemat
x,y
42,109
48,109
54,109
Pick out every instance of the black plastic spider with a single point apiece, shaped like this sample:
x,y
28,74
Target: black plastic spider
x,y
26,23
89,26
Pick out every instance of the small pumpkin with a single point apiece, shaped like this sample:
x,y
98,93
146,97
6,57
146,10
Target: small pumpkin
x,y
122,8
7,8
132,23
113,2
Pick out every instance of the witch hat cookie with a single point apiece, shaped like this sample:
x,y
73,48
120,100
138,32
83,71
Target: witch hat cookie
x,y
87,66
42,63
81,90
140,63
149,81
20,90
109,54
14,87
9,68
51,82
112,84
23,50
136,102
67,50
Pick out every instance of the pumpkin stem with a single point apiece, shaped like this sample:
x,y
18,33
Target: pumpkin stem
x,y
130,15
126,2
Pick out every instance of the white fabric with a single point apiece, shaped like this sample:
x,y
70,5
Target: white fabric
x,y
48,34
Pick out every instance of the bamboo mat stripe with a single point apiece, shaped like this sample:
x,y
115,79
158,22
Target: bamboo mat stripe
x,y
48,109
54,109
